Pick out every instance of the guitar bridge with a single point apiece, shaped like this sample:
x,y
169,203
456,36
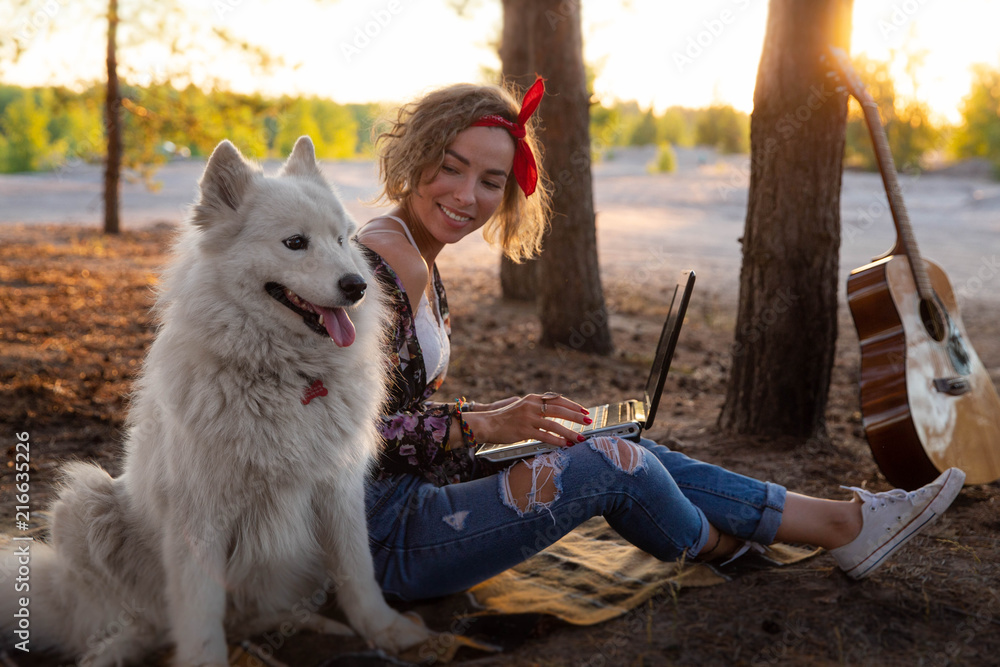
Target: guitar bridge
x,y
952,386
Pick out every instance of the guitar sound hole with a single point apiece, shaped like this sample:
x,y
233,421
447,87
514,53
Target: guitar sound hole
x,y
930,315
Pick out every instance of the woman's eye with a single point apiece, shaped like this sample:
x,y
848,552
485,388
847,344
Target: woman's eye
x,y
492,186
297,242
449,170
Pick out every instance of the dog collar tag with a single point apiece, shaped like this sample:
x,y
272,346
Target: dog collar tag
x,y
315,390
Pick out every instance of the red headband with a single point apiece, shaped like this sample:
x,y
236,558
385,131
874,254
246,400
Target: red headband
x,y
525,170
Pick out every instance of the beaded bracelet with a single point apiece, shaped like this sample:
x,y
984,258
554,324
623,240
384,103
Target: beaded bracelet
x,y
469,438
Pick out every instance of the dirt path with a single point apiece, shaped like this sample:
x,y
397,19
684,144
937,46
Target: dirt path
x,y
647,223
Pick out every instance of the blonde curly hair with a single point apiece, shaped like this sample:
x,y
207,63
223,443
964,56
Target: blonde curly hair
x,y
416,141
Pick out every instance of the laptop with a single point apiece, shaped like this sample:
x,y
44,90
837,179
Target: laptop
x,y
628,418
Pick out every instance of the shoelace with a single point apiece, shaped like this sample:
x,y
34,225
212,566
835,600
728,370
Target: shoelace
x,y
884,496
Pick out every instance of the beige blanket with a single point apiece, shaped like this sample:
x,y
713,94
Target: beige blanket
x,y
593,575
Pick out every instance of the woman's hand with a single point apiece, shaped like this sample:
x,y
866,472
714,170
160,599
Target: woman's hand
x,y
529,417
495,405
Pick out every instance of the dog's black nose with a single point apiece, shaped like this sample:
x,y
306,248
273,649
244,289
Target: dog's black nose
x,y
354,286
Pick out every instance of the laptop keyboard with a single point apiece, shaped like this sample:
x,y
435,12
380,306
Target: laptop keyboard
x,y
602,416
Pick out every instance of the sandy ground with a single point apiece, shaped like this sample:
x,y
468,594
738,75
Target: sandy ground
x,y
647,223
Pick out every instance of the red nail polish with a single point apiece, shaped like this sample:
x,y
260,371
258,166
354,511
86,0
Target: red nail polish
x,y
588,420
570,443
585,411
580,438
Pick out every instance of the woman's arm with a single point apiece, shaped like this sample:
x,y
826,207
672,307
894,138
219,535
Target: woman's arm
x,y
425,440
522,418
419,438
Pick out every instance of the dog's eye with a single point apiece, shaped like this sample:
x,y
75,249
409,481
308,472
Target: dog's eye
x,y
340,240
297,242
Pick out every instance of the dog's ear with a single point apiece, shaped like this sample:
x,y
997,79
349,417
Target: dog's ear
x,y
302,161
224,185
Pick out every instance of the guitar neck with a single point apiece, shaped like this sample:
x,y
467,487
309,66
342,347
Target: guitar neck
x,y
886,166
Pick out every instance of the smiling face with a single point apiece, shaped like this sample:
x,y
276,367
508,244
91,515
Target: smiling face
x,y
466,191
286,237
299,249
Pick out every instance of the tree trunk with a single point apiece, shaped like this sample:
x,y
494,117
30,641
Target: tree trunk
x,y
570,296
518,281
786,326
112,122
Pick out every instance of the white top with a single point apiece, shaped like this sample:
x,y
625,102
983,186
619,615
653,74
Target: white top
x,y
429,325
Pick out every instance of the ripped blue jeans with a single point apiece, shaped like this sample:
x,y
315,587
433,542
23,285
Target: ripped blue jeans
x,y
428,541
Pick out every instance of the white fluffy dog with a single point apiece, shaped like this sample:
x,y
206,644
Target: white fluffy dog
x,y
250,433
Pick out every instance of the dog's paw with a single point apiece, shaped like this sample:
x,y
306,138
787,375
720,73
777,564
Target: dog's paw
x,y
404,632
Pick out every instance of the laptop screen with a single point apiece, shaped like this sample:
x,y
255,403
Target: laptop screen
x,y
668,342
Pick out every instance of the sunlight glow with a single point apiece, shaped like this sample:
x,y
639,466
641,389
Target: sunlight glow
x,y
659,54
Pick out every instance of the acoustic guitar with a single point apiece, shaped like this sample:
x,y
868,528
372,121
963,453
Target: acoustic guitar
x,y
927,402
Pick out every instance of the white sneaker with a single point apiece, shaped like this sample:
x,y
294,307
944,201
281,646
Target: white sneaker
x,y
891,518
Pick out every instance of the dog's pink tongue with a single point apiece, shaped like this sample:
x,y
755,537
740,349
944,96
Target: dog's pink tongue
x,y
338,325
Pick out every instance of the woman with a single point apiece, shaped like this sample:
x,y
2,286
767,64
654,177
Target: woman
x,y
461,159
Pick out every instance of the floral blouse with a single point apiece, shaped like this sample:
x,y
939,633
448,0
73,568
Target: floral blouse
x,y
415,430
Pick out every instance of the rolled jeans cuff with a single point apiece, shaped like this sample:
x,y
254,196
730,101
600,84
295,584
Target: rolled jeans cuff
x,y
771,514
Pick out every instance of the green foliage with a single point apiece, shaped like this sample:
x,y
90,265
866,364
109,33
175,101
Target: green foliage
x,y
76,126
366,116
49,128
913,135
676,126
979,135
8,94
907,126
724,128
297,119
643,133
605,127
333,128
24,127
666,159
626,124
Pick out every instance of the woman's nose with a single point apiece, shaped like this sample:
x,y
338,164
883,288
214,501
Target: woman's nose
x,y
466,192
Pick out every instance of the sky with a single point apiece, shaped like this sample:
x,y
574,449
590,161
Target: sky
x,y
658,52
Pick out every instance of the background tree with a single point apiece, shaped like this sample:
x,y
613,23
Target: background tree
x,y
723,127
25,137
786,326
907,124
545,37
676,127
113,128
134,119
164,22
517,65
979,135
644,132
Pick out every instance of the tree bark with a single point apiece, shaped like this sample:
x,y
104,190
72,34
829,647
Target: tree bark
x,y
570,295
112,123
518,281
786,326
